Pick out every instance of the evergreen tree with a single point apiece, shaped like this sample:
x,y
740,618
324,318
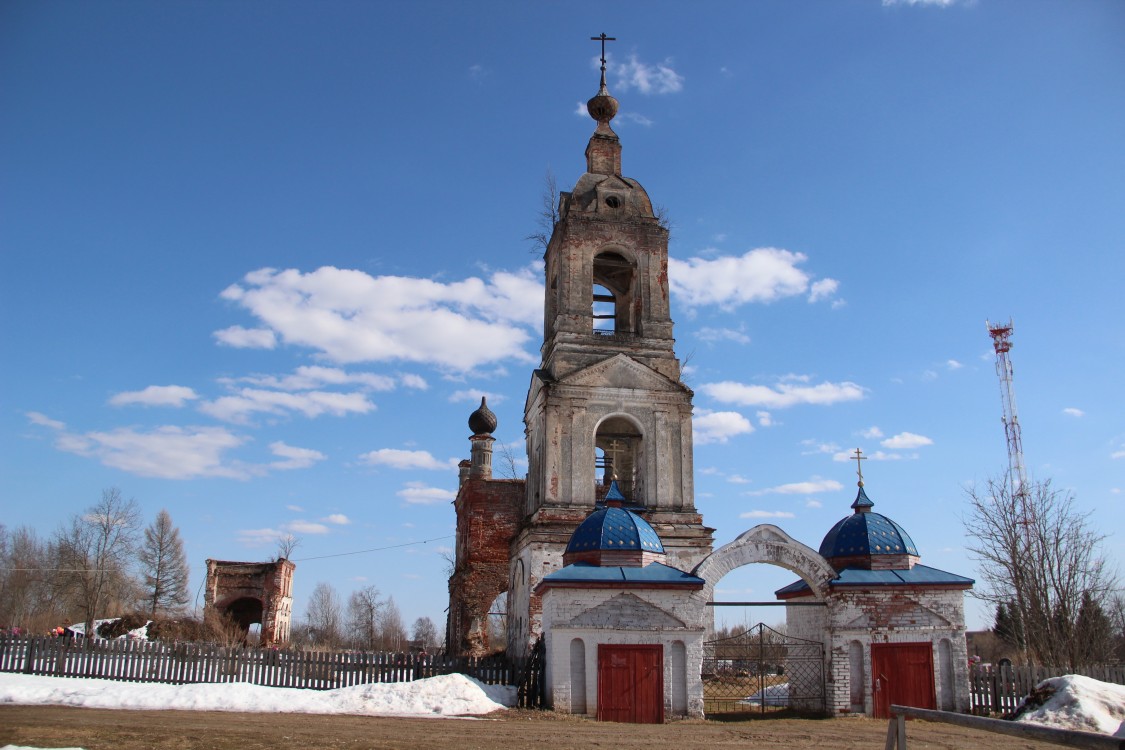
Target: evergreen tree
x,y
1008,626
1093,631
164,567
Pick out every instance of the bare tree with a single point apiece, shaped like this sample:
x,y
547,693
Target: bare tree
x,y
363,617
93,553
164,567
392,633
509,467
26,597
323,615
425,634
548,215
285,546
1039,555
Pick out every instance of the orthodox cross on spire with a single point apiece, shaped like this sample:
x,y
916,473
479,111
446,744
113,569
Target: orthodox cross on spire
x,y
603,39
858,466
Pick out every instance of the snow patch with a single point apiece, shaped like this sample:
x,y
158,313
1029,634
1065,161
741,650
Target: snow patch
x,y
1076,702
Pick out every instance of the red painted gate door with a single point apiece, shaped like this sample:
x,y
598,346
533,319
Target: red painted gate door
x,y
902,674
631,684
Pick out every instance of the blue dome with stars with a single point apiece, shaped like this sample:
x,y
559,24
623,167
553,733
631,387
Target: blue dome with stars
x,y
866,533
614,529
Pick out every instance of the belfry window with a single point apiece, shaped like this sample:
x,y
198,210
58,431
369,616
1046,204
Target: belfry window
x,y
612,298
618,455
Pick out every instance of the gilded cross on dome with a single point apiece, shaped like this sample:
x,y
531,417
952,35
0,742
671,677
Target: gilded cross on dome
x,y
858,466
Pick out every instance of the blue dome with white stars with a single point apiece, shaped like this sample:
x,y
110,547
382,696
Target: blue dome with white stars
x,y
615,529
866,533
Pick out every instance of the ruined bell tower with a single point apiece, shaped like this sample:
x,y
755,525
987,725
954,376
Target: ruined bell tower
x,y
607,401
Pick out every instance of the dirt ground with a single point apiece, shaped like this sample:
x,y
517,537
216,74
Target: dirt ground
x,y
97,729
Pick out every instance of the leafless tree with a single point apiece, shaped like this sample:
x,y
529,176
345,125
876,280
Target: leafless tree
x,y
548,215
323,615
392,633
285,546
1040,555
363,617
426,634
93,552
27,600
508,466
164,567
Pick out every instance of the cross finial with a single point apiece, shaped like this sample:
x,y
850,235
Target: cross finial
x,y
603,39
858,466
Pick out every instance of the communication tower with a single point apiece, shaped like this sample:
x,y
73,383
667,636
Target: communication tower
x,y
1017,476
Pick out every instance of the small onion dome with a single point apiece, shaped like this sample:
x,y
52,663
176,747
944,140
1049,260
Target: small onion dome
x,y
617,530
866,533
482,421
602,107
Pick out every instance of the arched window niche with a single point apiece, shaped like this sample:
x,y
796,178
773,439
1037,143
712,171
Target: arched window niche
x,y
619,454
612,296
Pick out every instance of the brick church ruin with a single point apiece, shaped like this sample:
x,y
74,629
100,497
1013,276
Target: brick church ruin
x,y
601,553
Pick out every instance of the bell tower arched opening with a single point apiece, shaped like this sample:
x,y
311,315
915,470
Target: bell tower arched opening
x,y
619,449
613,293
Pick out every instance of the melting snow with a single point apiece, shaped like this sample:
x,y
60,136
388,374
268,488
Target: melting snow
x,y
1076,702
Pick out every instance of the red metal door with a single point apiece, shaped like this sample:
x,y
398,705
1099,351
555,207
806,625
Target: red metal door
x,y
902,674
631,684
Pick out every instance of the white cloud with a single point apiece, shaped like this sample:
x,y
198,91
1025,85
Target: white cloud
x,y
906,441
247,338
259,537
165,452
765,419
239,408
295,508
294,458
823,289
815,446
308,378
305,527
953,364
871,433
402,459
417,493
816,484
44,421
349,316
766,514
417,382
337,518
156,395
738,479
1073,412
646,78
719,426
1117,454
931,3
875,456
783,395
722,334
765,274
810,503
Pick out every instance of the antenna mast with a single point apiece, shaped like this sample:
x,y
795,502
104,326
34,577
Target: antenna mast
x,y
1017,476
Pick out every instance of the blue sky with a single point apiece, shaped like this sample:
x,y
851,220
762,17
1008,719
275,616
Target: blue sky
x,y
261,260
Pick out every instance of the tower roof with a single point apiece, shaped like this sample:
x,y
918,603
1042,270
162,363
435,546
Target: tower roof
x,y
612,529
866,533
482,421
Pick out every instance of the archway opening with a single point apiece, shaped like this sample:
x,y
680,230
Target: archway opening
x,y
612,295
619,454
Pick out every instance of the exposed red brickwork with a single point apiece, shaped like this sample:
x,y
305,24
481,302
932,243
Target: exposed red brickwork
x,y
489,512
246,589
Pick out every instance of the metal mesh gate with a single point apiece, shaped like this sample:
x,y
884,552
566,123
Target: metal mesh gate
x,y
763,670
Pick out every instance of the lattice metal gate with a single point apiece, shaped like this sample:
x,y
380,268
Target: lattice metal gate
x,y
763,670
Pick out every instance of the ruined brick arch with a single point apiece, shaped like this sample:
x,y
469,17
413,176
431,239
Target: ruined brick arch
x,y
765,544
253,592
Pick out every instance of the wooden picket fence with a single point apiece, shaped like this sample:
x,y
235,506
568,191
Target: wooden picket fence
x,y
183,663
1000,690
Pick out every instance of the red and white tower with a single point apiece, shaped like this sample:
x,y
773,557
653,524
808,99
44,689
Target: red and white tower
x,y
1017,476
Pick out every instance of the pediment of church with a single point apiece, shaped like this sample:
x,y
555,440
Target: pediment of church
x,y
619,371
628,612
878,618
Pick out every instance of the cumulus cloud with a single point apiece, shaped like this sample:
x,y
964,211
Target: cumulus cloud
x,y
722,334
874,456
247,338
156,395
953,364
417,382
815,446
165,452
396,458
337,518
765,419
816,484
719,426
311,377
765,274
767,514
259,537
249,401
871,433
348,316
305,527
1071,411
43,420
783,394
294,458
906,441
418,493
647,78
